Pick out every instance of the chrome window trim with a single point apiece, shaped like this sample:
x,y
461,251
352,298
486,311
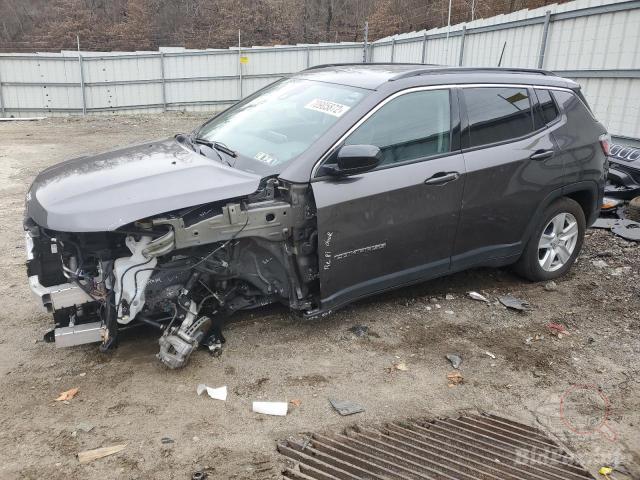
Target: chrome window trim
x,y
333,147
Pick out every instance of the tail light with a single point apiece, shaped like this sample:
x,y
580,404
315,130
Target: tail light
x,y
605,143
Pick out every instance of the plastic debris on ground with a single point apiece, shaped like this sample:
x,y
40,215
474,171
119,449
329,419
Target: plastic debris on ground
x,y
530,340
514,303
91,455
627,229
455,359
455,378
271,408
345,407
359,330
489,354
67,395
605,223
400,366
478,296
85,427
605,471
551,286
557,329
215,393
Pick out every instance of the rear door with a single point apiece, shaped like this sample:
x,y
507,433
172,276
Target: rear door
x,y
396,224
512,164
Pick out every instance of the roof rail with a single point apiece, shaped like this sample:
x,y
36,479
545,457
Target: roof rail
x,y
356,64
445,69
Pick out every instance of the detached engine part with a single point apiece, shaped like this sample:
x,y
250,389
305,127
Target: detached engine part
x,y
177,347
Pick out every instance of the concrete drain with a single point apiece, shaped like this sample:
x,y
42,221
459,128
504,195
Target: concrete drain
x,y
462,448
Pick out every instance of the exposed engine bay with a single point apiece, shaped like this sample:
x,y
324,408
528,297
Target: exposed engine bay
x,y
181,272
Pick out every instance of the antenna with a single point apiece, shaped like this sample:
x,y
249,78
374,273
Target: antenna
x,y
502,53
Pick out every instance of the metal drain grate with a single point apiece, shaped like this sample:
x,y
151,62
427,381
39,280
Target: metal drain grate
x,y
469,447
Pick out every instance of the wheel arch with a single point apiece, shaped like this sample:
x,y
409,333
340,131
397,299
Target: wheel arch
x,y
587,194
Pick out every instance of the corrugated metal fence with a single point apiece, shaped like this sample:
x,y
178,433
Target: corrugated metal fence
x,y
595,43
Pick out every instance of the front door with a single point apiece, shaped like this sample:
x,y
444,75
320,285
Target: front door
x,y
396,224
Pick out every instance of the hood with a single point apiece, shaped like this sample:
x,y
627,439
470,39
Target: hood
x,y
106,191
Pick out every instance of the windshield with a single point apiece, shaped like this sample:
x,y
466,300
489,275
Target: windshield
x,y
280,122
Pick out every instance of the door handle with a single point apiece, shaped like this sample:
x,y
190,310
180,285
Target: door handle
x,y
441,178
541,154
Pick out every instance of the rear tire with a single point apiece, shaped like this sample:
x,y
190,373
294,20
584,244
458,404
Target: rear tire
x,y
554,243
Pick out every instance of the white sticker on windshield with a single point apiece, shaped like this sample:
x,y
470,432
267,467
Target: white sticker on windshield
x,y
325,106
265,158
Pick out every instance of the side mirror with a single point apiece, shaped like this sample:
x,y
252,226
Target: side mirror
x,y
354,159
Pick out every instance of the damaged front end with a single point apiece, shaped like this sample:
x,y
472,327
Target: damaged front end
x,y
181,272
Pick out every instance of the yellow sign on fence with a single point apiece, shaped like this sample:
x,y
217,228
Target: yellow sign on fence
x,y
244,60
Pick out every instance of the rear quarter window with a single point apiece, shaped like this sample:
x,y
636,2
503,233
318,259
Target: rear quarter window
x,y
497,114
546,110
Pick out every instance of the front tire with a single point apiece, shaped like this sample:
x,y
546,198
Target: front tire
x,y
555,242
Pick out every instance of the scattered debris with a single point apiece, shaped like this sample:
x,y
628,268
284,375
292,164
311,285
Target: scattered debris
x,y
401,366
91,455
455,378
85,427
295,402
551,286
530,340
166,440
479,297
490,354
599,263
215,393
449,312
345,407
199,475
271,408
449,296
557,329
627,229
514,303
68,395
359,330
605,471
605,223
455,359
433,300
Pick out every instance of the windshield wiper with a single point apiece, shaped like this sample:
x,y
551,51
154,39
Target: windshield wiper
x,y
221,147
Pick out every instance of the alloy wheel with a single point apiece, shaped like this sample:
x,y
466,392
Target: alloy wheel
x,y
557,242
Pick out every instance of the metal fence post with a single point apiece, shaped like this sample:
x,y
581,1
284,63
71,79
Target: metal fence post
x,y
543,40
164,83
1,99
308,56
239,66
84,98
365,41
424,47
393,48
464,34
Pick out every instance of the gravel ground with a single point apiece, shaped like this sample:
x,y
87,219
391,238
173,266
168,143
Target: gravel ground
x,y
272,354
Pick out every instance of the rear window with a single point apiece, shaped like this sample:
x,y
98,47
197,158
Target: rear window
x,y
497,114
546,109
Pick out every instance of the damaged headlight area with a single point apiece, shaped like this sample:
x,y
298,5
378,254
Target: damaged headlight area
x,y
181,272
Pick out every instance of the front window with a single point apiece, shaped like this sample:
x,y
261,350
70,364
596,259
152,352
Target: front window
x,y
412,127
280,122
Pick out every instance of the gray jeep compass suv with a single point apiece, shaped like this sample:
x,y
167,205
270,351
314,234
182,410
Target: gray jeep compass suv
x,y
327,186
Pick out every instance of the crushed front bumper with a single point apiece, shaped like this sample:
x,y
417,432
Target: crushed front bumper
x,y
53,297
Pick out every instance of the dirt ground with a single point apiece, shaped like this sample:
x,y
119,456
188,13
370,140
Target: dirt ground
x,y
272,354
